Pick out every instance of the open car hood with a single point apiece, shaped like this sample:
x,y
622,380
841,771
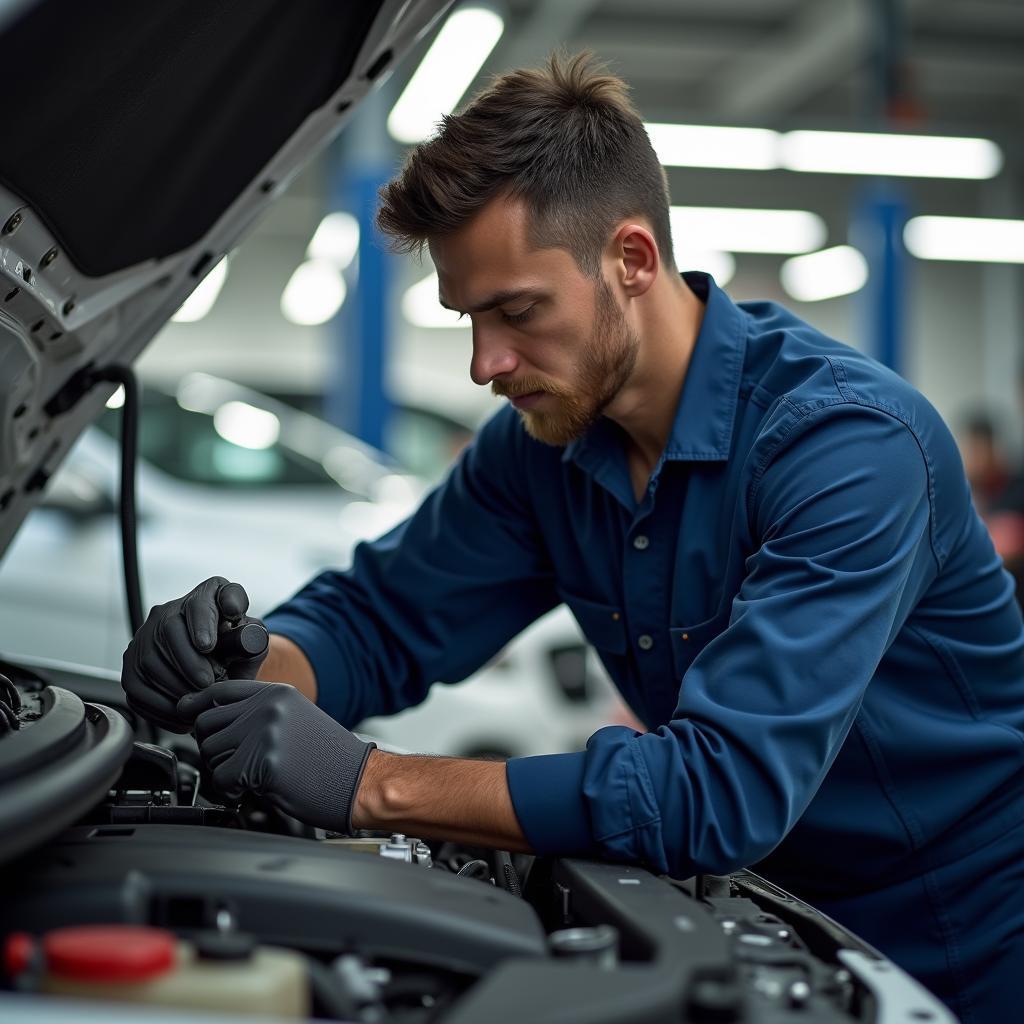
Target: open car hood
x,y
141,143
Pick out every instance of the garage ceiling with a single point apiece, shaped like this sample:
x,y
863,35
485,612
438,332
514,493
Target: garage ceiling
x,y
775,63
782,61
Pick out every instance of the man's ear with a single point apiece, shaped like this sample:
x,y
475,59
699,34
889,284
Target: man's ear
x,y
637,261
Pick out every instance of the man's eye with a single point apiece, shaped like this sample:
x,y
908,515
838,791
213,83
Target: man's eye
x,y
517,318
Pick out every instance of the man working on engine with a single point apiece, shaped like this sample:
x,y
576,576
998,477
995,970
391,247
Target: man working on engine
x,y
767,536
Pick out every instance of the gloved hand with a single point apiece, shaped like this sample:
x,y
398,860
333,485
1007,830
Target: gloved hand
x,y
268,738
172,653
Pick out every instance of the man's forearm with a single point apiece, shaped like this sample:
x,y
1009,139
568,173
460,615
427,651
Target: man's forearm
x,y
433,797
439,798
286,663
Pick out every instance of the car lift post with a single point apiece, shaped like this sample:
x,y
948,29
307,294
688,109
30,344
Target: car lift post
x,y
355,396
880,211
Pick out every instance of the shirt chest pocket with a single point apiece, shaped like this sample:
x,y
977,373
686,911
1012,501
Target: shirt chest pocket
x,y
602,624
689,641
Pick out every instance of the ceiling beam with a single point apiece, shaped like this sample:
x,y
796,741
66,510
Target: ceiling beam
x,y
818,48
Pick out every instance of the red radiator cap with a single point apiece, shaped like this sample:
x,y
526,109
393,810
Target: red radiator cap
x,y
110,953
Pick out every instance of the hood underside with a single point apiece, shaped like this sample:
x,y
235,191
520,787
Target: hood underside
x,y
145,121
141,142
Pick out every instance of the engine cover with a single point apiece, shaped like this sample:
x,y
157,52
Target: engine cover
x,y
285,891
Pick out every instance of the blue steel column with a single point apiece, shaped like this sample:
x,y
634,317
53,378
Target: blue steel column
x,y
356,396
880,211
877,231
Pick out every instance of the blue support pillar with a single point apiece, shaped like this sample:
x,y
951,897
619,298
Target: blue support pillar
x,y
356,396
876,229
880,211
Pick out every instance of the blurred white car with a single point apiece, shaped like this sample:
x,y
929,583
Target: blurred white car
x,y
234,484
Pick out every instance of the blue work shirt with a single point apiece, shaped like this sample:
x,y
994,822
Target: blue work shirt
x,y
803,608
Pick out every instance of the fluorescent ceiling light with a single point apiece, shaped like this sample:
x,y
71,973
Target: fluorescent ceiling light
x,y
881,153
915,156
335,240
827,274
314,293
976,239
246,426
692,145
730,229
720,265
450,65
201,301
421,307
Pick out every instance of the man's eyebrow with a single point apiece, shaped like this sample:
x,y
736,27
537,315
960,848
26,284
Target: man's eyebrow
x,y
497,299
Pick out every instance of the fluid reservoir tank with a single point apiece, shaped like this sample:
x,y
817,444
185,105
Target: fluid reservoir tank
x,y
223,972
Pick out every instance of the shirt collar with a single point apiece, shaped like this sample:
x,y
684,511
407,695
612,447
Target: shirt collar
x,y
703,424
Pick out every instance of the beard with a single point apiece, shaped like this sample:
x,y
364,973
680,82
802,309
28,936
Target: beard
x,y
604,367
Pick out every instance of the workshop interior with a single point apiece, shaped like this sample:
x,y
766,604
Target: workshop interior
x,y
211,363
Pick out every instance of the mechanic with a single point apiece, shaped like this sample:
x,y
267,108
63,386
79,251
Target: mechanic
x,y
767,536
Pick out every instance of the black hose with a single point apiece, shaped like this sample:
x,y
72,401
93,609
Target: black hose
x,y
505,873
129,454
8,719
10,692
10,705
512,881
475,869
523,863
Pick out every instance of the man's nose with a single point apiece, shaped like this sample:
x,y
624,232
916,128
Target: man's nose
x,y
492,357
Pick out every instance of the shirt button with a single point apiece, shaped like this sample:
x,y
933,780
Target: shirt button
x,y
645,642
640,542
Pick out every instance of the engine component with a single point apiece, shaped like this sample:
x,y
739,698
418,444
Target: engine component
x,y
149,777
477,868
10,705
397,847
363,985
379,939
59,762
291,892
120,963
599,945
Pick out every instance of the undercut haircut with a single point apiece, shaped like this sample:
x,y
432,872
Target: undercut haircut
x,y
564,138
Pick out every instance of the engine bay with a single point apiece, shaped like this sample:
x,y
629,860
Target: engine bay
x,y
113,838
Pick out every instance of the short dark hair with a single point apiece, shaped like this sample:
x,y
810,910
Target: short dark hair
x,y
565,138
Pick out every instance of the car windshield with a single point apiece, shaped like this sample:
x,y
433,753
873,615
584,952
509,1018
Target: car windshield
x,y
235,447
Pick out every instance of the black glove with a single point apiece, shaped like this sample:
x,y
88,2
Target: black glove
x,y
267,738
172,653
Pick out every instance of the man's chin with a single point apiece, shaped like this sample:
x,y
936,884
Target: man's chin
x,y
550,429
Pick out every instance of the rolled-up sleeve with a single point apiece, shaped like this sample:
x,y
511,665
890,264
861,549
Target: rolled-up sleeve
x,y
435,598
840,518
